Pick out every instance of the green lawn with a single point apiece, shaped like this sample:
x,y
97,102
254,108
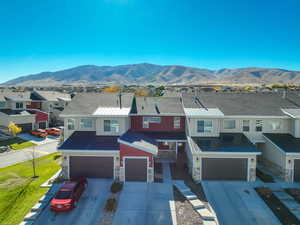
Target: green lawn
x,y
17,143
19,192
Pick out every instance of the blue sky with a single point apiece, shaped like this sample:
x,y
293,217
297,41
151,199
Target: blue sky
x,y
49,35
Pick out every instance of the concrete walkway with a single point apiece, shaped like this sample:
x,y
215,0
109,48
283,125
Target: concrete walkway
x,y
237,203
167,178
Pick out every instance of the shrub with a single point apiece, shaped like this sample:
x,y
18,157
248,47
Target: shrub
x,y
116,187
111,204
22,145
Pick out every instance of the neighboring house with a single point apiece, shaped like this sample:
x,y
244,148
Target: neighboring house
x,y
52,102
226,132
224,135
13,108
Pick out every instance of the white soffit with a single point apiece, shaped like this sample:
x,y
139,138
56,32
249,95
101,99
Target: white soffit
x,y
111,111
294,113
201,112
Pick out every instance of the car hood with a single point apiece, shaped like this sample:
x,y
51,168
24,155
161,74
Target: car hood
x,y
60,201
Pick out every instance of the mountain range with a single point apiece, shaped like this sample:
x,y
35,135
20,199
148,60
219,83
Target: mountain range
x,y
146,73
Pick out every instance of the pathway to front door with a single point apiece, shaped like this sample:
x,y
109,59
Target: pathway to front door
x,y
167,178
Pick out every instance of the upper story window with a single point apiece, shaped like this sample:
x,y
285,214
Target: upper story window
x,y
147,120
229,124
2,104
258,125
275,124
204,126
71,124
19,105
176,122
246,125
111,126
86,123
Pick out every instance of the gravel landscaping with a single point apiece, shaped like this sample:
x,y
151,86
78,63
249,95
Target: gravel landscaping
x,y
295,193
185,213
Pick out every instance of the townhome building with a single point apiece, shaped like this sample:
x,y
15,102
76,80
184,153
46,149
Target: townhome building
x,y
14,108
228,133
222,136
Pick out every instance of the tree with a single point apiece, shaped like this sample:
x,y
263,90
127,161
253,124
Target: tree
x,y
112,89
14,129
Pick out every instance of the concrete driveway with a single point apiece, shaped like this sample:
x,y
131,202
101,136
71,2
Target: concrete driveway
x,y
237,203
37,140
89,209
147,204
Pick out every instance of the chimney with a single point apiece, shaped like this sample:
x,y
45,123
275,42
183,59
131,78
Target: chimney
x,y
120,100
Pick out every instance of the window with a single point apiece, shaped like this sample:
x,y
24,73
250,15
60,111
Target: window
x,y
19,105
275,124
176,122
147,120
111,126
258,125
71,124
204,126
2,104
86,123
246,125
229,124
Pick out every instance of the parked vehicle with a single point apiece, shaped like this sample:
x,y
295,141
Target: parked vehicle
x,y
39,133
4,149
53,131
68,195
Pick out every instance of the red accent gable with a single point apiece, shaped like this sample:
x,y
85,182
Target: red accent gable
x,y
166,124
41,116
34,105
126,150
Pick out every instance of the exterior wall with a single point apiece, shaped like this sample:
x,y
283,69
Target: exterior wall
x,y
123,122
295,128
133,152
166,124
66,156
273,157
17,119
193,128
34,105
41,117
13,105
289,162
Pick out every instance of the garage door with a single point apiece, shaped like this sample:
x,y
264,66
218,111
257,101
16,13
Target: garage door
x,y
91,167
136,169
224,169
297,170
42,125
26,127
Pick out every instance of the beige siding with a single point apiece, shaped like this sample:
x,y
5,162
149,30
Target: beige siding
x,y
123,122
193,128
17,119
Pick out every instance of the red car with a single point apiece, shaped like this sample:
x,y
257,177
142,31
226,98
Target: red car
x,y
53,131
68,195
39,132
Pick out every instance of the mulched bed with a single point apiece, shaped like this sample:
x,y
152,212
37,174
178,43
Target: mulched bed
x,y
295,193
277,207
264,177
185,213
158,172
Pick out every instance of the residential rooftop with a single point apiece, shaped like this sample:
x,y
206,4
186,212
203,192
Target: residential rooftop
x,y
53,95
243,104
88,140
158,106
286,142
226,142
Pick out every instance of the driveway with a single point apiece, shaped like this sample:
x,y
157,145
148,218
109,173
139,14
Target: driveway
x,y
88,211
237,203
37,140
16,156
147,204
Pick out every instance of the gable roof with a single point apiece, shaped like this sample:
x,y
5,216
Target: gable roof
x,y
53,95
240,104
158,106
7,95
91,103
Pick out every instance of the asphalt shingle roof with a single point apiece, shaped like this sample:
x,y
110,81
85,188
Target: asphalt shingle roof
x,y
88,103
53,95
159,105
286,142
253,104
14,96
88,140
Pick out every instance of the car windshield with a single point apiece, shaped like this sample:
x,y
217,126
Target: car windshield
x,y
63,195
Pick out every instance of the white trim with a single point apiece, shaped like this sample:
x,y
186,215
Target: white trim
x,y
138,147
155,115
91,116
168,140
229,153
135,157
